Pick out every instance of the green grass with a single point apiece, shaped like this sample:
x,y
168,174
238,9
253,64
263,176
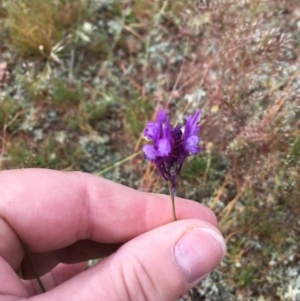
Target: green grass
x,y
64,94
9,112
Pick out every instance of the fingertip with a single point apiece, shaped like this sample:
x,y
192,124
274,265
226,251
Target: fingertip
x,y
161,264
172,258
198,252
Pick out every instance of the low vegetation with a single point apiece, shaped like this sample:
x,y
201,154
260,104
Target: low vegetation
x,y
80,79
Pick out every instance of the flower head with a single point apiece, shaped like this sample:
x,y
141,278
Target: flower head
x,y
171,145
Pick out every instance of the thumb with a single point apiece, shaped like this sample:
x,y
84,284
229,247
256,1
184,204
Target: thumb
x,y
160,265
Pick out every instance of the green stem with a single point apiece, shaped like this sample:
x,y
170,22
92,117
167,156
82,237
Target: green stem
x,y
207,166
117,164
172,200
32,265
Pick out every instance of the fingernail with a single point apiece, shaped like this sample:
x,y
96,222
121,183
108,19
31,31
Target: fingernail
x,y
198,252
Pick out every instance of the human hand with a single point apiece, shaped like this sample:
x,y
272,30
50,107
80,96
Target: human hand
x,y
66,218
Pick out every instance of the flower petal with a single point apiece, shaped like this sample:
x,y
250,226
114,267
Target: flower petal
x,y
151,130
191,129
161,116
167,130
191,144
150,152
164,147
154,129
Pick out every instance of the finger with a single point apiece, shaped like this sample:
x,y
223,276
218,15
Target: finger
x,y
160,265
57,276
80,251
11,286
52,209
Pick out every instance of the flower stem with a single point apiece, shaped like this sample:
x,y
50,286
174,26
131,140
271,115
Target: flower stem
x,y
172,200
191,295
171,190
32,265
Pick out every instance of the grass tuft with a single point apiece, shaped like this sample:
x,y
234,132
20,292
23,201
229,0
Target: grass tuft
x,y
35,27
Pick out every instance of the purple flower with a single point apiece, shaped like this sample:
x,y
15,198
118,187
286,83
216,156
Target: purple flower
x,y
190,136
171,145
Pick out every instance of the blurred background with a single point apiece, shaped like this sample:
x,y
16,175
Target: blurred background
x,y
80,79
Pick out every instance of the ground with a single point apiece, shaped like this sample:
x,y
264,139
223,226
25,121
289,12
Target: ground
x,y
80,80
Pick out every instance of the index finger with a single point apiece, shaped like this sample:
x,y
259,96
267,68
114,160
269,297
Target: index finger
x,y
53,209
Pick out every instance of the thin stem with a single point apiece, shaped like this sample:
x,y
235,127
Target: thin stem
x,y
172,200
171,190
100,173
207,166
191,295
32,265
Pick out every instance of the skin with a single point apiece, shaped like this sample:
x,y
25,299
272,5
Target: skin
x,y
67,218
